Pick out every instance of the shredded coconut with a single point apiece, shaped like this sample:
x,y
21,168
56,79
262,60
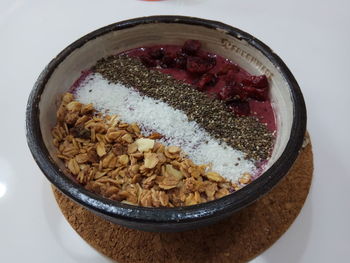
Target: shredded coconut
x,y
154,115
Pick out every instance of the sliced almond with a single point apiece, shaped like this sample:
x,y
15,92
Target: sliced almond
x,y
132,148
173,149
73,166
171,171
135,127
67,97
134,168
169,182
161,157
87,108
127,138
100,149
151,160
74,106
111,136
190,199
221,193
107,159
155,136
144,144
163,198
82,158
213,176
246,178
124,159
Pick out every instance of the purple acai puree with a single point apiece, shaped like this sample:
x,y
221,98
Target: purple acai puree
x,y
80,80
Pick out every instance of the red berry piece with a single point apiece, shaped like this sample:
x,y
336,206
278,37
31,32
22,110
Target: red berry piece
x,y
191,47
256,94
240,108
260,82
167,62
238,94
233,93
199,65
211,60
156,53
148,62
181,61
207,79
230,77
226,93
247,81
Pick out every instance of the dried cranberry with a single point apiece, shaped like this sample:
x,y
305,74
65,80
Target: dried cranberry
x,y
256,94
238,93
226,93
230,77
233,93
260,82
167,62
246,81
180,61
211,60
148,62
208,79
240,108
199,65
156,53
191,47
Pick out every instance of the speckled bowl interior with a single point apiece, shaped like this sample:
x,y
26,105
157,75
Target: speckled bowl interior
x,y
217,38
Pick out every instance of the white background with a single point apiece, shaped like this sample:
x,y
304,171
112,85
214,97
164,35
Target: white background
x,y
312,37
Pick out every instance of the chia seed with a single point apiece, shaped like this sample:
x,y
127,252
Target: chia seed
x,y
243,133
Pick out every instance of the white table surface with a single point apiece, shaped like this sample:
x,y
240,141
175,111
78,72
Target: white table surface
x,y
312,37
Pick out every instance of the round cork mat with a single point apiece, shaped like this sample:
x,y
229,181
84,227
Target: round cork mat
x,y
238,239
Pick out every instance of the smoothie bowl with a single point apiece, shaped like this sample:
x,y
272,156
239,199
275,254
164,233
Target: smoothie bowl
x,y
165,123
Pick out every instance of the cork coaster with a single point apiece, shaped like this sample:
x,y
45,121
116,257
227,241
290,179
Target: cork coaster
x,y
238,239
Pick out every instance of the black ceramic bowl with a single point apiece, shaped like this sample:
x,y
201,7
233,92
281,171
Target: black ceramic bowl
x,y
227,41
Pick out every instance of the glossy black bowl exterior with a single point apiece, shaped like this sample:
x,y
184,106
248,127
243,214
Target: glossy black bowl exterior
x,y
166,219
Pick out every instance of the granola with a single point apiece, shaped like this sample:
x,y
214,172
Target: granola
x,y
115,160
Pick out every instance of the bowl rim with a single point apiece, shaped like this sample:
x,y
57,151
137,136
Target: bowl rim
x,y
137,214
